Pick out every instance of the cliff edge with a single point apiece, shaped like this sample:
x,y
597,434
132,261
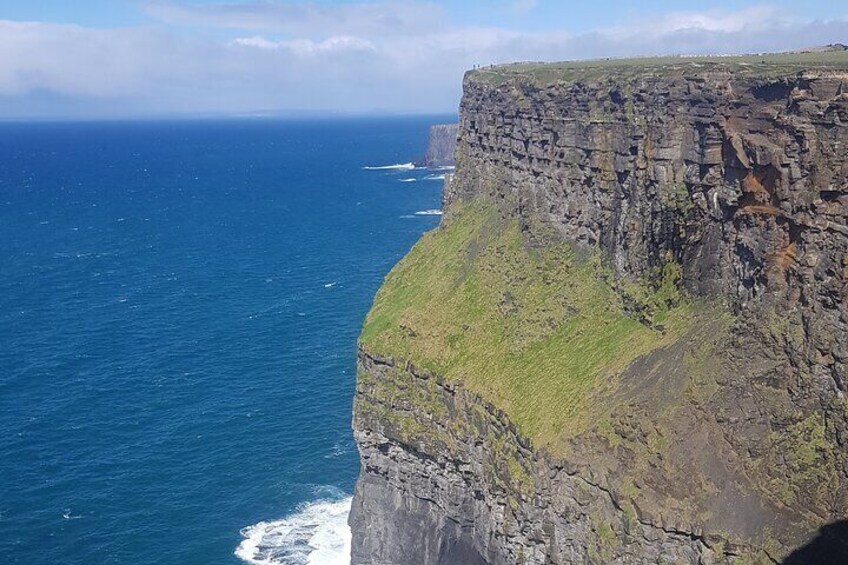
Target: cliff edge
x,y
627,340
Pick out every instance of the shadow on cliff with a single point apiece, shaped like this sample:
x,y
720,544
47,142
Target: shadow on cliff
x,y
829,547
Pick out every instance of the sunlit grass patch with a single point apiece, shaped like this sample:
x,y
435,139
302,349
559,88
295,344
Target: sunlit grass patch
x,y
532,330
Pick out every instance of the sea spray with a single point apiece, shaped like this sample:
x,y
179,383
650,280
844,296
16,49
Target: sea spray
x,y
317,534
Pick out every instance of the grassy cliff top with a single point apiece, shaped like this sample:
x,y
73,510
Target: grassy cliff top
x,y
766,66
536,332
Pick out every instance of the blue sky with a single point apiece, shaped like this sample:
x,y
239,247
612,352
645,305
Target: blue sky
x,y
126,58
539,15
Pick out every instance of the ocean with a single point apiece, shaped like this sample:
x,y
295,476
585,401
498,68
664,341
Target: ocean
x,y
179,309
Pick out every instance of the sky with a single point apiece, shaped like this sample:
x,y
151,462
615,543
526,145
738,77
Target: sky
x,y
181,58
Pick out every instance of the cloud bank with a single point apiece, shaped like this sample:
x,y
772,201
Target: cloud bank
x,y
393,57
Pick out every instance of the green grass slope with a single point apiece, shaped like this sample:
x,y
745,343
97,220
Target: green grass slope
x,y
536,332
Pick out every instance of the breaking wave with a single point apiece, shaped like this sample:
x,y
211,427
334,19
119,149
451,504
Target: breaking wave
x,y
429,213
397,167
317,534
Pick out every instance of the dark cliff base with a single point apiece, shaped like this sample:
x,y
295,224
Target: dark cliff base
x,y
417,533
627,341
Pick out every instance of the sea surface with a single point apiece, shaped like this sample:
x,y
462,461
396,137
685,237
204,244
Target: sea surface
x,y
179,308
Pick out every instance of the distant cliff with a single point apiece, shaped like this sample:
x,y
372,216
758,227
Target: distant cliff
x,y
627,341
441,146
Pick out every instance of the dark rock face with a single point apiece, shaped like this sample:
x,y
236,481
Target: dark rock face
x,y
743,182
441,146
454,500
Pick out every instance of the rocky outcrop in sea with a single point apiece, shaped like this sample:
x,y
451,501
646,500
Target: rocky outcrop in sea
x,y
441,146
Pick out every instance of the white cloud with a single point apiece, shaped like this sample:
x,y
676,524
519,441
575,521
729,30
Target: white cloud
x,y
160,69
718,21
76,60
753,18
338,44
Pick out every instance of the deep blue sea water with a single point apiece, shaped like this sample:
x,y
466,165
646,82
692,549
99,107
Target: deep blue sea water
x,y
179,306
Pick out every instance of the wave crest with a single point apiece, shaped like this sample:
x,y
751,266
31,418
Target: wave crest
x,y
397,167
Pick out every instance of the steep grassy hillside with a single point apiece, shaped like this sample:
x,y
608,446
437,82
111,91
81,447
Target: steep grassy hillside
x,y
531,330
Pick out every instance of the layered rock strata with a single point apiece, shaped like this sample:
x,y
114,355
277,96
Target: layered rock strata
x,y
726,442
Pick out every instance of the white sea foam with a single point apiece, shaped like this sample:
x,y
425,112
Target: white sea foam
x,y
396,167
408,180
434,177
317,534
429,213
445,168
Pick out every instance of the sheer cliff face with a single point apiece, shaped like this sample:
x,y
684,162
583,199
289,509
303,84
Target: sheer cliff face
x,y
717,430
742,180
441,146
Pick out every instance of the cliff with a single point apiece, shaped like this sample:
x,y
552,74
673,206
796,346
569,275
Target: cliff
x,y
627,340
441,146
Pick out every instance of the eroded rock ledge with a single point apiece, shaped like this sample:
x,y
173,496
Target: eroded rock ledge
x,y
471,490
